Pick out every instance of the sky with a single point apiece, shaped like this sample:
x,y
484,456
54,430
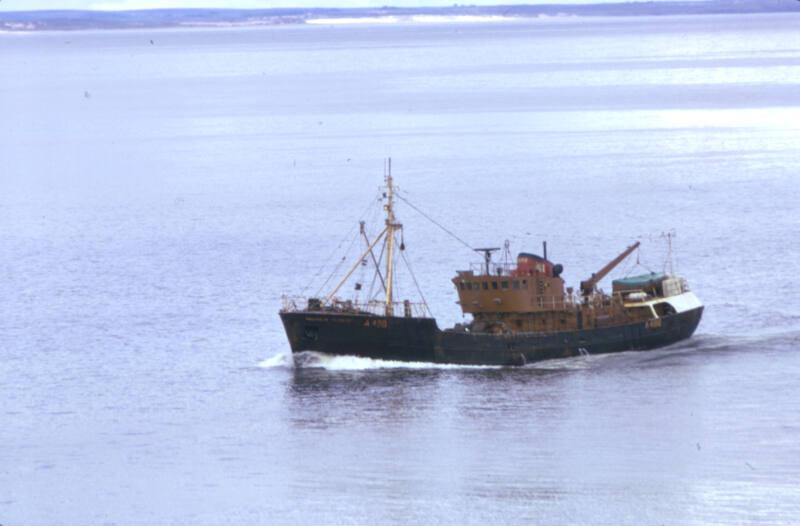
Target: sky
x,y
114,5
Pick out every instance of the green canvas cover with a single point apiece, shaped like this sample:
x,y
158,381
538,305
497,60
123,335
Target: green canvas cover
x,y
639,282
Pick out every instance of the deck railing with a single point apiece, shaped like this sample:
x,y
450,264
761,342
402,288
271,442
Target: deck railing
x,y
421,310
406,309
495,269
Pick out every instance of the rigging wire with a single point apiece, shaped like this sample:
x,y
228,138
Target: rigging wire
x,y
636,264
396,289
360,279
416,284
327,260
639,264
338,265
371,296
429,218
629,266
374,260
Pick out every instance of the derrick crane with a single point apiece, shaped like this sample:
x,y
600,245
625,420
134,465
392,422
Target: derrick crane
x,y
587,287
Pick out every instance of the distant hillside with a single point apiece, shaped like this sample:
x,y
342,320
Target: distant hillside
x,y
163,18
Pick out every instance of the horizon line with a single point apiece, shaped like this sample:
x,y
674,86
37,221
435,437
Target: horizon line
x,y
103,8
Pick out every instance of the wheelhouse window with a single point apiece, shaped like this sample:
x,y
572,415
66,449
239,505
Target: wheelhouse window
x,y
494,285
505,284
485,285
461,285
515,284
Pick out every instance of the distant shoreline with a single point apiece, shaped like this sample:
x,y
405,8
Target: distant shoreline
x,y
30,21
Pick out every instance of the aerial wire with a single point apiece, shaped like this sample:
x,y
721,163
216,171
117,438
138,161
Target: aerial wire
x,y
429,218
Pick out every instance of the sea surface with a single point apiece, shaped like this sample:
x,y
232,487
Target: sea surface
x,y
161,190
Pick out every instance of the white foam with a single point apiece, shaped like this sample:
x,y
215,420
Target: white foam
x,y
279,360
571,363
332,362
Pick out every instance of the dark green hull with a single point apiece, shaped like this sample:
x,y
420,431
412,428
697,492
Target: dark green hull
x,y
420,340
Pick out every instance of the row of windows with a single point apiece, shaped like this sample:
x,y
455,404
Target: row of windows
x,y
504,284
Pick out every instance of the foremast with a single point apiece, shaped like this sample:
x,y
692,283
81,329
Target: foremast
x,y
388,235
392,227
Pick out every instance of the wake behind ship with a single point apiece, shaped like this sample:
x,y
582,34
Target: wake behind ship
x,y
521,311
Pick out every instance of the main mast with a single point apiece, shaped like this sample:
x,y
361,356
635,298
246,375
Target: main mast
x,y
391,227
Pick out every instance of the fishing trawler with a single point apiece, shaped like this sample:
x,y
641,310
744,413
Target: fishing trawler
x,y
520,312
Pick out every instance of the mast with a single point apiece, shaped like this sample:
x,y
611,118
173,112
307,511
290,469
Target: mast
x,y
668,263
391,227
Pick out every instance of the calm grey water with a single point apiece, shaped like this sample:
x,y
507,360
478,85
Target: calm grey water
x,y
157,199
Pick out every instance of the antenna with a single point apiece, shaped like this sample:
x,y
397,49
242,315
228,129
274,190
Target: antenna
x,y
507,253
487,257
669,262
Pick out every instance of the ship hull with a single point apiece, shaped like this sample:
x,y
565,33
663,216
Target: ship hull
x,y
420,340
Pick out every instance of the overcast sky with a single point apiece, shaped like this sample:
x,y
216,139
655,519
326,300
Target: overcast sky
x,y
26,5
